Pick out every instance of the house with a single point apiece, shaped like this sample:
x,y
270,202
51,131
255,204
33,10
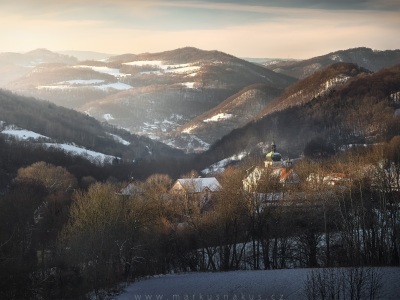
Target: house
x,y
200,189
196,185
332,179
130,189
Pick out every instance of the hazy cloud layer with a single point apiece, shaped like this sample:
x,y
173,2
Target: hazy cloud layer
x,y
271,28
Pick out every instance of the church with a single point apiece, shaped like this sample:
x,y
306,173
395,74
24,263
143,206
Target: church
x,y
274,168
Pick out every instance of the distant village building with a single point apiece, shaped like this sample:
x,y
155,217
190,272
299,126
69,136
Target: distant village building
x,y
130,189
332,179
199,189
196,185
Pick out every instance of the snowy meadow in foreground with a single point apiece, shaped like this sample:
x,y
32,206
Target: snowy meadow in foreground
x,y
270,284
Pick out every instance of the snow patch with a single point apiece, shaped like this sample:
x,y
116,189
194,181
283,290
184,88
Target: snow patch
x,y
183,70
335,81
105,70
119,139
108,117
336,57
142,63
175,68
189,85
93,156
96,157
22,134
220,166
55,87
152,73
83,81
218,117
189,129
116,86
74,84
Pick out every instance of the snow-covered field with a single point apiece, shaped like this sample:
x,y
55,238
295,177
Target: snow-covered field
x,y
239,285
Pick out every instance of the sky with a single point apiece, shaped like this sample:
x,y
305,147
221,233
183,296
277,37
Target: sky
x,y
244,28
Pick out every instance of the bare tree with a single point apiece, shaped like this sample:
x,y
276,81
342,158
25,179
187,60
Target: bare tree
x,y
354,283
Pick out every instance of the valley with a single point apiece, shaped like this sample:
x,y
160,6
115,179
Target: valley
x,y
137,165
186,98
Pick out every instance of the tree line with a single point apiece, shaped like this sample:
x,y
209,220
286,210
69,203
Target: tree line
x,y
60,238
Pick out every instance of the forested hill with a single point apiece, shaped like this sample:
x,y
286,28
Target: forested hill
x,y
367,58
69,126
363,110
318,84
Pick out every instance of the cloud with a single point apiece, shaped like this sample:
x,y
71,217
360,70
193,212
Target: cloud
x,y
275,28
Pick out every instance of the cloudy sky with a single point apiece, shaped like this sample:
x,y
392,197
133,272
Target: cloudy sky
x,y
245,28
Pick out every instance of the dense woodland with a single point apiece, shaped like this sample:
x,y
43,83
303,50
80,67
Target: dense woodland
x,y
362,111
65,232
63,238
66,125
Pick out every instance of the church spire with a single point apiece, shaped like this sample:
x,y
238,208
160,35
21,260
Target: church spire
x,y
273,147
273,158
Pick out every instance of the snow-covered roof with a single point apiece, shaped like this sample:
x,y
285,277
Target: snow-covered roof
x,y
130,189
198,185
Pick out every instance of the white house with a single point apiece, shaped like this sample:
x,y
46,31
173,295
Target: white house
x,y
200,189
196,185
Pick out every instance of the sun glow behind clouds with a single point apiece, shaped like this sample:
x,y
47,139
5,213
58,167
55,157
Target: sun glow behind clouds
x,y
293,29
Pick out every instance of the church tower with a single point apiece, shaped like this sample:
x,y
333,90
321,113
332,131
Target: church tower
x,y
273,158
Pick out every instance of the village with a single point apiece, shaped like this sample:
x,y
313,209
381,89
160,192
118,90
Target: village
x,y
275,174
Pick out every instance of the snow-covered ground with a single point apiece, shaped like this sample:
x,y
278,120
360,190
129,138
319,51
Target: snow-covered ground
x,y
218,117
119,139
90,83
219,166
246,285
64,85
105,70
23,134
89,154
189,85
189,129
188,68
108,117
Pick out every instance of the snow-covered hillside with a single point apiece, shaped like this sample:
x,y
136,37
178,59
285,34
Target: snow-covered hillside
x,y
249,285
143,93
71,149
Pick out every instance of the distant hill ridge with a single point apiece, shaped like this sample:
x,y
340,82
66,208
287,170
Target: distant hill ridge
x,y
187,98
361,111
315,85
366,58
